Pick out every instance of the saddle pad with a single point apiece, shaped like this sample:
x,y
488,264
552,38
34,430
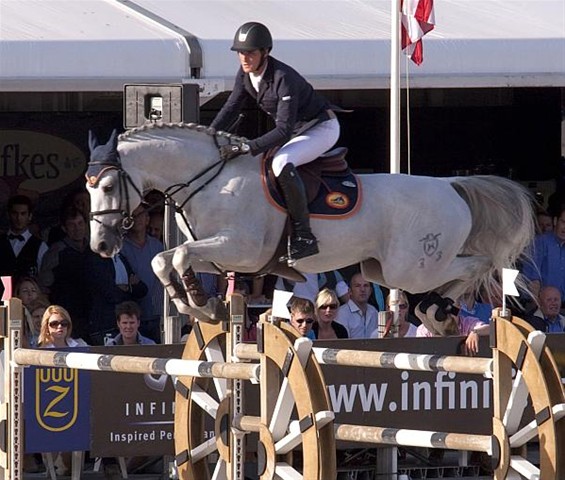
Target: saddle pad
x,y
339,193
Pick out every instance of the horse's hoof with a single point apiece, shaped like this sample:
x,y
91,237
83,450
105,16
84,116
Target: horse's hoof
x,y
445,307
430,299
438,321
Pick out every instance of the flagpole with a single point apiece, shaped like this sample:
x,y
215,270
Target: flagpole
x,y
395,86
394,114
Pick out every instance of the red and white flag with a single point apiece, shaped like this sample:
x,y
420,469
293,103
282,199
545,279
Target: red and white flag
x,y
417,20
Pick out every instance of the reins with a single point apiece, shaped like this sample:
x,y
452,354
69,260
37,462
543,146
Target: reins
x,y
174,189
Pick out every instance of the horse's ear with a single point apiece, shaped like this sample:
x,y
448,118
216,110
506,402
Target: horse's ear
x,y
113,140
92,141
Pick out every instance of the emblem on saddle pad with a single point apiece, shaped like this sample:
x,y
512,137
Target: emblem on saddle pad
x,y
337,200
332,189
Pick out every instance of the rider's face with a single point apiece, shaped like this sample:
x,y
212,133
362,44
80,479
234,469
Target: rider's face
x,y
250,61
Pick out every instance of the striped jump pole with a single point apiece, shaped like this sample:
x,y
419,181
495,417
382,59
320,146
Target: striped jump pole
x,y
392,436
371,359
415,438
129,364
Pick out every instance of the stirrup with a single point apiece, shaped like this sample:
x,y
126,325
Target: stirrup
x,y
298,248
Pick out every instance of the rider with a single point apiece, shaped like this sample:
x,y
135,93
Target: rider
x,y
305,125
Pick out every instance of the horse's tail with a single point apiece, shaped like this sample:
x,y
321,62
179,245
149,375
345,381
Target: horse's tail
x,y
503,225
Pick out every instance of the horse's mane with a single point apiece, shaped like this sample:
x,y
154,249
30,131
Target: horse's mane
x,y
153,126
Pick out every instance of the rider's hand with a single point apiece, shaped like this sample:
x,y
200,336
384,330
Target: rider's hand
x,y
227,152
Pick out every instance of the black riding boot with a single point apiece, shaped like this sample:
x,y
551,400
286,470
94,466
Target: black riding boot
x,y
302,242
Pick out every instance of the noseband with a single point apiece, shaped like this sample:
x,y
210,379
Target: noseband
x,y
124,180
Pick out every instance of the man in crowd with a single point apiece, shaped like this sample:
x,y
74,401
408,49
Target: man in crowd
x,y
110,281
548,259
63,270
302,316
547,317
21,253
357,315
128,315
139,248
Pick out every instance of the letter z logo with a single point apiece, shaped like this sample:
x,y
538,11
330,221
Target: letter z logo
x,y
56,398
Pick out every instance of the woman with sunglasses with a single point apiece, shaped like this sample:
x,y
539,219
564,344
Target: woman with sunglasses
x,y
55,332
56,329
326,328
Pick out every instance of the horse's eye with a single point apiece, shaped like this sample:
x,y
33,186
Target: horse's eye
x,y
107,188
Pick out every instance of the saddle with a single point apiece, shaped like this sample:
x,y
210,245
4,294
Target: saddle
x,y
332,189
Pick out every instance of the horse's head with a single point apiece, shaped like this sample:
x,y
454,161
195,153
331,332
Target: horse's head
x,y
112,192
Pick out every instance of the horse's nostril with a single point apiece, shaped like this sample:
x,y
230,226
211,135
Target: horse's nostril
x,y
102,247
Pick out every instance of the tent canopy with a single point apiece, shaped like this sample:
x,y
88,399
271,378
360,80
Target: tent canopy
x,y
99,45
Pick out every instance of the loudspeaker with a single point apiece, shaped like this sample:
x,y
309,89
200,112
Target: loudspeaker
x,y
170,103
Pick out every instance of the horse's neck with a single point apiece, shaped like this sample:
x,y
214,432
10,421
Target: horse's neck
x,y
157,164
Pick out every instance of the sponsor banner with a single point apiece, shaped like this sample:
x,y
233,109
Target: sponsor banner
x,y
56,409
43,162
438,401
133,414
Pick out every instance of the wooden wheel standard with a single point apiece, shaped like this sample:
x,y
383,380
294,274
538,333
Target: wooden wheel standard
x,y
197,402
537,383
295,428
296,433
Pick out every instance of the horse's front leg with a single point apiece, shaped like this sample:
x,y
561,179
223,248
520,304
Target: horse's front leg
x,y
162,265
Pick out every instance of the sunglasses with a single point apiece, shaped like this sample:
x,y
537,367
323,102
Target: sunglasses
x,y
331,306
56,323
403,306
300,321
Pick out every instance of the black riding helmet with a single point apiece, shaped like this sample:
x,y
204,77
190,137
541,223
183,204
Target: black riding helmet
x,y
252,36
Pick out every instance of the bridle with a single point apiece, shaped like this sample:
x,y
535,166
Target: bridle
x,y
124,180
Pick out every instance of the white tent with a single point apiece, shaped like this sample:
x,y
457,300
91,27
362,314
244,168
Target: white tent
x,y
99,45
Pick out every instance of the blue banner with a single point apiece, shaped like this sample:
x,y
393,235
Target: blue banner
x,y
56,409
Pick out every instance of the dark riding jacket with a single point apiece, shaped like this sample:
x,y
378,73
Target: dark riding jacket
x,y
284,95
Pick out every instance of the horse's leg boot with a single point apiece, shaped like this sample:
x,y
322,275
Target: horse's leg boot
x,y
194,289
176,290
210,309
302,242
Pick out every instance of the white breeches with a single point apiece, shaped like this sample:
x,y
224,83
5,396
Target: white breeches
x,y
308,146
